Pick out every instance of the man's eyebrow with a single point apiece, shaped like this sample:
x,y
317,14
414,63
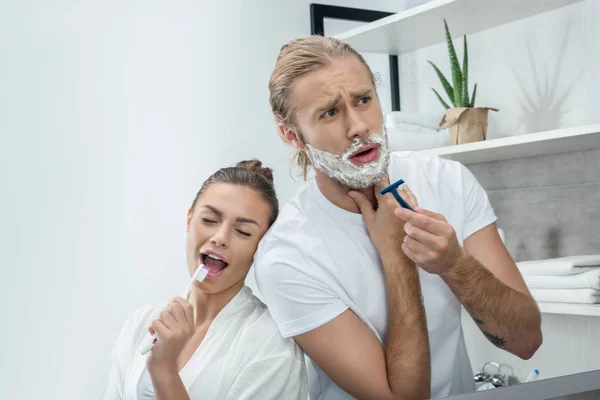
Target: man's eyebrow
x,y
361,93
329,105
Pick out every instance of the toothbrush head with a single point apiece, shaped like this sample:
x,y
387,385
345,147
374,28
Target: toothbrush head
x,y
201,273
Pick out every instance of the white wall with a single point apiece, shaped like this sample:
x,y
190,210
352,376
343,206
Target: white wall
x,y
111,115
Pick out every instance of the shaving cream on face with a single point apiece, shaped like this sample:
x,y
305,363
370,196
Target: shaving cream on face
x,y
341,169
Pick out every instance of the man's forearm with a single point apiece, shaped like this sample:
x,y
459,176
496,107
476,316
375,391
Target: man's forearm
x,y
508,318
407,346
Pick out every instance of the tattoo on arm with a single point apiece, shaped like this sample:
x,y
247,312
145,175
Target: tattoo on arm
x,y
495,339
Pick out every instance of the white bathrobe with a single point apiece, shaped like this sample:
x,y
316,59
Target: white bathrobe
x,y
242,356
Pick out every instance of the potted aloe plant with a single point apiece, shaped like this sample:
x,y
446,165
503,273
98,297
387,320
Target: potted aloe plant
x,y
466,122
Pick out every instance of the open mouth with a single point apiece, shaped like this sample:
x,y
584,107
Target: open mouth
x,y
215,263
365,154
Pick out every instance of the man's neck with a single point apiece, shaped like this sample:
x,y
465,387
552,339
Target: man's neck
x,y
338,194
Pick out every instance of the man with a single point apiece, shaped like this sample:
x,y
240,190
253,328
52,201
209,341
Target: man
x,y
371,291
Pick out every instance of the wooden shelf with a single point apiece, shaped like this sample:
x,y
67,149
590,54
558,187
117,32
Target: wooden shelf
x,y
423,26
570,309
525,145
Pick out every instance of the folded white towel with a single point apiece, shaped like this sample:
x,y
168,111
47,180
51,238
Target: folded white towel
x,y
405,141
583,296
585,280
560,266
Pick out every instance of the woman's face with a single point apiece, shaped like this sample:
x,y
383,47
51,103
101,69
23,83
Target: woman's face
x,y
223,232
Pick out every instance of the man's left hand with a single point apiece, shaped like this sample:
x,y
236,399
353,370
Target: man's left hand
x,y
430,240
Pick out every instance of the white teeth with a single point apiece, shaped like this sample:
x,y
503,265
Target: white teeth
x,y
213,257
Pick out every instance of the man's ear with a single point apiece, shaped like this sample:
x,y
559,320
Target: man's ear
x,y
291,136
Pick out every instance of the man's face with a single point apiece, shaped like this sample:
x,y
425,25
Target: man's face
x,y
340,123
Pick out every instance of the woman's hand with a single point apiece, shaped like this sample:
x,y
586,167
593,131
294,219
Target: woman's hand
x,y
174,327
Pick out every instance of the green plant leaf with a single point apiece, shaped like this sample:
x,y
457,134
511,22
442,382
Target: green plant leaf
x,y
465,75
445,83
474,94
446,106
454,65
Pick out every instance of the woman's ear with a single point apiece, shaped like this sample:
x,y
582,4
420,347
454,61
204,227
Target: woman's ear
x,y
291,136
190,213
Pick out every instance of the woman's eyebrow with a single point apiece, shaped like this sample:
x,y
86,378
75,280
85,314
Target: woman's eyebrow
x,y
247,220
213,209
238,219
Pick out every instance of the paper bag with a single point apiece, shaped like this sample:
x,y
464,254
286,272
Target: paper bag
x,y
466,124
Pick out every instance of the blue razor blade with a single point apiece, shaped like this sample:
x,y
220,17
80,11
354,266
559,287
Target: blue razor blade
x,y
393,189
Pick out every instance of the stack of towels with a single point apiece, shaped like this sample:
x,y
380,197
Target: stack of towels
x,y
564,280
415,131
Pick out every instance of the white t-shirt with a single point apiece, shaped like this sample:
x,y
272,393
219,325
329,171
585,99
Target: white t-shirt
x,y
318,260
243,356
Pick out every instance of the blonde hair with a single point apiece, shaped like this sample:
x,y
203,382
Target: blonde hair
x,y
298,58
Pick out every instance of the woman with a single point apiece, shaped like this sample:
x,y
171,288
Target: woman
x,y
222,342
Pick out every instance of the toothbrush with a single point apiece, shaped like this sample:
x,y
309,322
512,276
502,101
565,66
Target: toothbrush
x,y
533,375
199,276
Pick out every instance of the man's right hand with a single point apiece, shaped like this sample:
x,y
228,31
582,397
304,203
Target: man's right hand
x,y
386,231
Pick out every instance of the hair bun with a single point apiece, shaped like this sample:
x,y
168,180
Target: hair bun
x,y
256,166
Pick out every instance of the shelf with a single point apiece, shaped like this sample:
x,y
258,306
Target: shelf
x,y
423,26
570,309
525,145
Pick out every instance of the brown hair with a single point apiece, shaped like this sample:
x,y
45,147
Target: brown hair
x,y
297,58
249,173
